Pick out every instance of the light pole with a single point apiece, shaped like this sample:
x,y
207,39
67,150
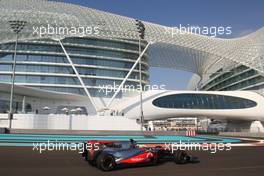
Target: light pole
x,y
141,31
72,112
16,27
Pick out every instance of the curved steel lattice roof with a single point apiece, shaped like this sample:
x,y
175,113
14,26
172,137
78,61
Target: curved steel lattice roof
x,y
189,52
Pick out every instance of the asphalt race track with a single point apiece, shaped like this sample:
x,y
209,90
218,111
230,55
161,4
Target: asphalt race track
x,y
22,161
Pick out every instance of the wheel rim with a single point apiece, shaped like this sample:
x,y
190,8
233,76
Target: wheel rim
x,y
108,162
183,157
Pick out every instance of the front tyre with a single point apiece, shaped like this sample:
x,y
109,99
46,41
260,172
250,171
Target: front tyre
x,y
180,157
105,162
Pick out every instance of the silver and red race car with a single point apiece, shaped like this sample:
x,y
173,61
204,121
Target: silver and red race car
x,y
109,155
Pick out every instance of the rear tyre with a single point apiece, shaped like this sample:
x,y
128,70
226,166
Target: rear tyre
x,y
158,157
88,159
91,162
105,162
180,157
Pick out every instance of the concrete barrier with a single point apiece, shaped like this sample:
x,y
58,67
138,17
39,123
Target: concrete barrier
x,y
69,122
97,132
242,134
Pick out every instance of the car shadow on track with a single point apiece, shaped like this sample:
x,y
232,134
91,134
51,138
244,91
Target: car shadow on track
x,y
160,163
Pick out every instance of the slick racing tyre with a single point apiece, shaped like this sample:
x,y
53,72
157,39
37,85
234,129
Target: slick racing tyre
x,y
88,158
105,162
180,157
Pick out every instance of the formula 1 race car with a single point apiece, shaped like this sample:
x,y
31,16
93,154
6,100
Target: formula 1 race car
x,y
108,155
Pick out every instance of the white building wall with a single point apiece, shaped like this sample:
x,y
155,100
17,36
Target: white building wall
x,y
69,122
151,112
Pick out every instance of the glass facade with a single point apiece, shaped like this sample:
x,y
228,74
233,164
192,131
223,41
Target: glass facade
x,y
203,101
100,62
238,78
17,106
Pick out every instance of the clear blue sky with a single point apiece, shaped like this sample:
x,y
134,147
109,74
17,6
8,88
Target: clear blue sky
x,y
244,16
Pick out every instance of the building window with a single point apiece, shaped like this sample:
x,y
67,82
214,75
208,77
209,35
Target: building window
x,y
203,101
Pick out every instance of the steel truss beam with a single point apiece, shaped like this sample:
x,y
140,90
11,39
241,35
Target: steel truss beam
x,y
78,75
127,76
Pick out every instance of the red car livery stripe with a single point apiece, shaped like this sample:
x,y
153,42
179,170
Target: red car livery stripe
x,y
141,158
